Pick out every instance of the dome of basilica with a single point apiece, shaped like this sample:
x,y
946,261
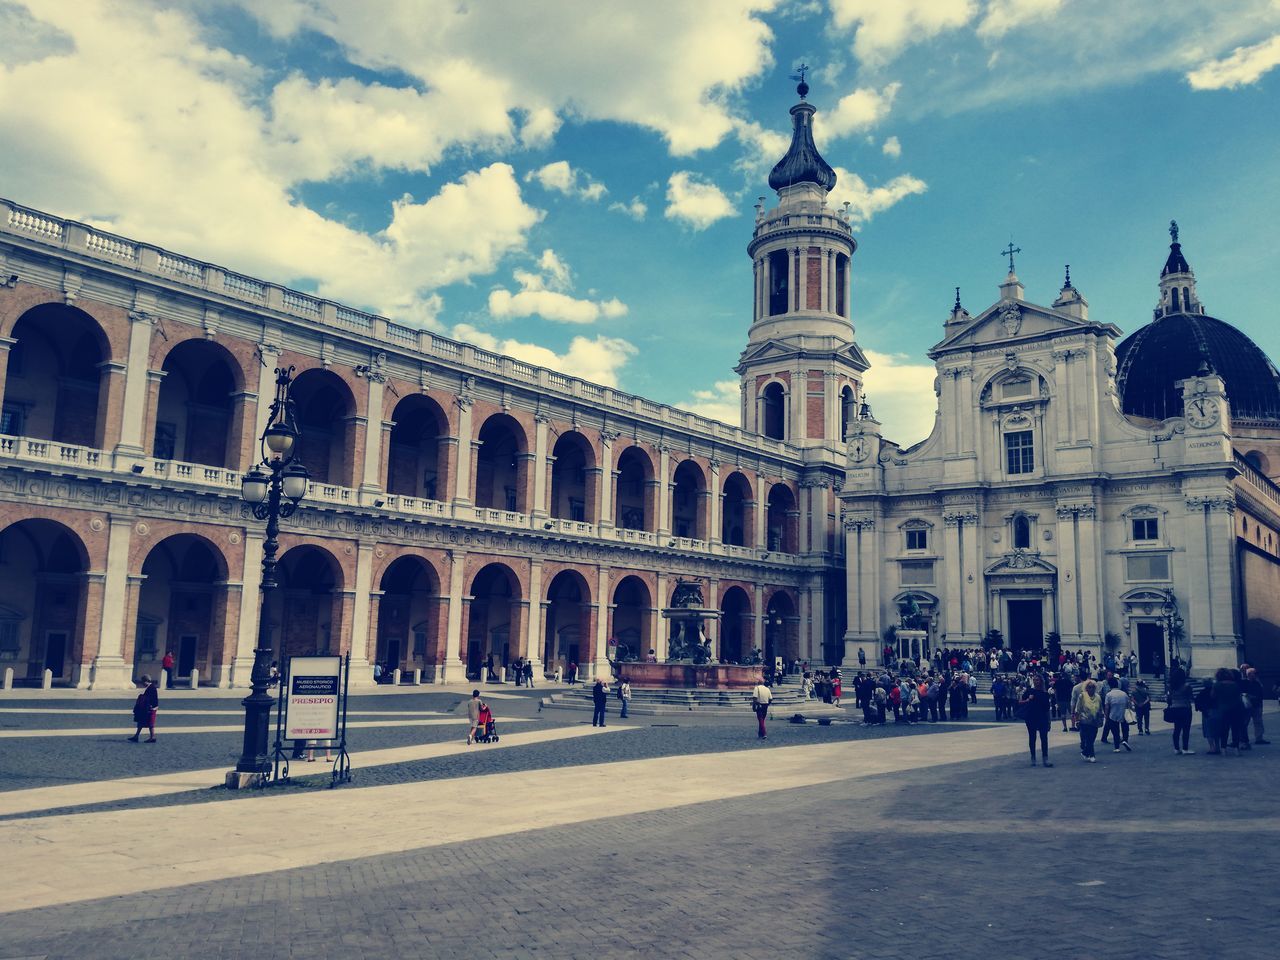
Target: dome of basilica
x,y
1182,337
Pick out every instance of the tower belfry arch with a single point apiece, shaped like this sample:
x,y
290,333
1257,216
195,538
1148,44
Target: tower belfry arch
x,y
801,363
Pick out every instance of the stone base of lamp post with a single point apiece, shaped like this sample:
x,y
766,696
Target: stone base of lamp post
x,y
244,781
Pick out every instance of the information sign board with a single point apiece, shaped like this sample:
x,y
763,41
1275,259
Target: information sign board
x,y
311,711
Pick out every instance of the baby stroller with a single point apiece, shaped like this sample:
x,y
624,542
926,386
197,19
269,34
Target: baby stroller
x,y
488,730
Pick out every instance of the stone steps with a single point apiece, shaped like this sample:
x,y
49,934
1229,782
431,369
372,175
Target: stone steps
x,y
786,702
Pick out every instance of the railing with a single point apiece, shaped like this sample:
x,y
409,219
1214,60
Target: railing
x,y
50,451
16,219
1258,480
197,473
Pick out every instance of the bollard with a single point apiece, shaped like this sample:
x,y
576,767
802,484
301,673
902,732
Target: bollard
x,y
559,674
502,674
163,683
417,676
195,678
46,682
395,677
8,678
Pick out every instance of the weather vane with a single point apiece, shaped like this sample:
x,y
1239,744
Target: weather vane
x,y
1173,230
1009,251
802,88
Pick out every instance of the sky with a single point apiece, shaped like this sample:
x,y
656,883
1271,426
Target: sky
x,y
574,184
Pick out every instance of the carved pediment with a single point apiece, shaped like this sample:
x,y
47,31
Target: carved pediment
x,y
1021,563
1008,320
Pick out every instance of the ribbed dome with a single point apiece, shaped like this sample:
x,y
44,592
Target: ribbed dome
x,y
1151,360
802,163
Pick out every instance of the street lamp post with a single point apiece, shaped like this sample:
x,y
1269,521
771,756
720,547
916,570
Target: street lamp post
x,y
1172,627
273,488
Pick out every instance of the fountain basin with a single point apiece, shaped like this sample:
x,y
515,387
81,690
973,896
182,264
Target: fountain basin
x,y
680,675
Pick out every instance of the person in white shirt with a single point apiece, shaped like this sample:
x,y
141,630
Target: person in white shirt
x,y
1114,704
761,697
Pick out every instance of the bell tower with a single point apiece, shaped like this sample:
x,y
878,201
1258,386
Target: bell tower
x,y
801,370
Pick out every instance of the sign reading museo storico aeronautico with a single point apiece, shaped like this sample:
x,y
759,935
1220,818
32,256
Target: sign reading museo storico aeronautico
x,y
311,712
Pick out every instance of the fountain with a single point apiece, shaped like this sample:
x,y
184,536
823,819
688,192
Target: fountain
x,y
688,664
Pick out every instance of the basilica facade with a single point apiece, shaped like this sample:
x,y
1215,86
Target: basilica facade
x,y
467,507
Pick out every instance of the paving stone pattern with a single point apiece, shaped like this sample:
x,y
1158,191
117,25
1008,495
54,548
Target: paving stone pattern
x,y
969,860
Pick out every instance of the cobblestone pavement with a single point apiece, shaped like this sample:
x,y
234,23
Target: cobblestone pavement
x,y
1141,855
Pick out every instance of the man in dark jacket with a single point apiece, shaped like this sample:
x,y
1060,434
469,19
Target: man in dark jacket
x,y
600,697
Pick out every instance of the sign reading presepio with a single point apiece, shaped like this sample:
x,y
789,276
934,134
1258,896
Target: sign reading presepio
x,y
311,712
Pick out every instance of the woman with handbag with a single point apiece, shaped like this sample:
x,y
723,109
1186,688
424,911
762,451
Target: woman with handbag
x,y
1178,711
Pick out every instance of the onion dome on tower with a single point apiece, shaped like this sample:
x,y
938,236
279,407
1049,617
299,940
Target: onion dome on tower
x,y
802,163
1181,338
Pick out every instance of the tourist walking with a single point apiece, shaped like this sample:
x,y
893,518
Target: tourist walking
x,y
835,687
1063,688
1086,709
167,664
1115,705
1178,711
761,697
473,716
624,697
1142,707
144,710
599,697
1034,706
528,674
1253,691
862,659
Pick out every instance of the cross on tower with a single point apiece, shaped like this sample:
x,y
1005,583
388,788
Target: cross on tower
x,y
1009,251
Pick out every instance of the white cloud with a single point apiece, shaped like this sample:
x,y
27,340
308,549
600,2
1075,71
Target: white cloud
x,y
544,294
857,111
1244,66
892,148
195,162
866,201
667,65
597,360
886,27
636,208
1003,16
695,202
723,402
562,178
897,391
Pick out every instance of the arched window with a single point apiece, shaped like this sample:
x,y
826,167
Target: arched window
x,y
1021,533
842,294
778,283
847,405
1174,292
773,421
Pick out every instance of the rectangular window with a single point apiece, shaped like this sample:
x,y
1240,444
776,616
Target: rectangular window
x,y
1019,450
917,539
8,640
419,645
166,441
917,573
1146,529
1147,567
11,421
147,641
1013,389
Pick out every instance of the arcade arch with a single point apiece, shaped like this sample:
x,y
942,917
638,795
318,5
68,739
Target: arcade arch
x,y
493,619
304,612
42,600
182,603
782,519
689,501
736,623
198,408
572,496
636,491
568,637
632,616
502,465
408,615
54,383
325,410
736,514
415,455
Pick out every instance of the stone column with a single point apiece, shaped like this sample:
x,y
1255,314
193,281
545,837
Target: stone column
x,y
542,461
242,448
601,666
816,650
1211,639
757,633
250,609
109,669
361,671
536,619
270,355
227,609
454,669
375,616
89,618
712,627
607,480
465,455
715,520
657,627
1070,599
5,344
371,484
133,416
665,488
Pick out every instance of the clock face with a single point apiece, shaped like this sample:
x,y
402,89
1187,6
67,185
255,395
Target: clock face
x,y
859,449
1202,412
